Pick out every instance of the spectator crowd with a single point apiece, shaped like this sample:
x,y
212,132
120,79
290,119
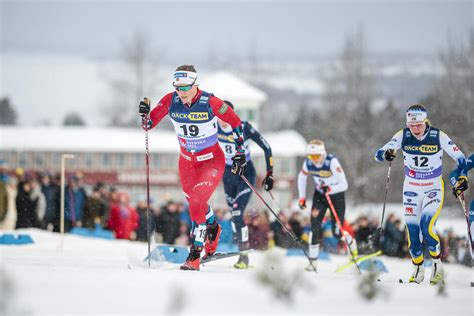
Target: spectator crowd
x,y
33,200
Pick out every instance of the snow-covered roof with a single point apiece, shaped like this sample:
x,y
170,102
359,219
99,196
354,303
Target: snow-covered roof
x,y
229,87
91,139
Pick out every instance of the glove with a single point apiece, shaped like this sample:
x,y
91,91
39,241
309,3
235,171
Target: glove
x,y
268,181
460,186
302,203
238,164
389,154
325,188
144,107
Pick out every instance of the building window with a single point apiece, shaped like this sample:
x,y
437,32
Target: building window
x,y
7,157
39,160
155,161
22,159
169,162
88,160
121,160
56,160
106,160
138,161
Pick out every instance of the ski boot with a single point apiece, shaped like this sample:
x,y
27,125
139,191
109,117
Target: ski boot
x,y
310,266
212,239
418,274
243,262
193,260
437,273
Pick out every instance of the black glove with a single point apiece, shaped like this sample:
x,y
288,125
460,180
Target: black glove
x,y
460,186
238,164
268,181
144,107
389,154
325,188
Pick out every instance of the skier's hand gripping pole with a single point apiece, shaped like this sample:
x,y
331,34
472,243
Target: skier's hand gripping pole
x,y
343,232
279,221
375,238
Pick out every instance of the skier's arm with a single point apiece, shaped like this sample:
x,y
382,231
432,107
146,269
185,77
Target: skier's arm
x,y
302,179
254,135
160,110
340,182
454,152
387,152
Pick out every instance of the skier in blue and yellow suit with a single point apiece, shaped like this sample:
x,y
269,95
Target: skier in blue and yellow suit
x,y
423,189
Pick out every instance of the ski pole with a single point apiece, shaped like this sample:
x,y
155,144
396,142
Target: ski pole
x,y
147,162
463,205
298,242
343,232
386,193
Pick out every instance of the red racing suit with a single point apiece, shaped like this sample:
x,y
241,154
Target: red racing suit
x,y
201,162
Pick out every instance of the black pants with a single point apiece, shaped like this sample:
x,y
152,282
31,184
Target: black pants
x,y
238,194
320,205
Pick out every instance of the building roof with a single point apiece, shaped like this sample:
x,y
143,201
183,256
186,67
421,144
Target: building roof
x,y
229,87
91,139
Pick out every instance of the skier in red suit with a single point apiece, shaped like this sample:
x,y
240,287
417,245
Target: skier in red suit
x,y
194,114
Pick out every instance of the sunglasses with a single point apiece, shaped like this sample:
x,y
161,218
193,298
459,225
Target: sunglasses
x,y
314,157
183,88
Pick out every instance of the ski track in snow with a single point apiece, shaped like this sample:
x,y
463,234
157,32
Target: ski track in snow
x,y
102,277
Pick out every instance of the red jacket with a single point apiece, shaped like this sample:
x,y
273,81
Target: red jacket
x,y
123,220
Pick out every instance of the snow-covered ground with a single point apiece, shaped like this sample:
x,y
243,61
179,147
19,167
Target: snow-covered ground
x,y
107,277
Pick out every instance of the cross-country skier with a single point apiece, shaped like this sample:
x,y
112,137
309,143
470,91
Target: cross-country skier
x,y
329,178
236,190
454,179
194,114
423,189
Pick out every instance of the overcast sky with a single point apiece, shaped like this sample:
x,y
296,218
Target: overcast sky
x,y
278,28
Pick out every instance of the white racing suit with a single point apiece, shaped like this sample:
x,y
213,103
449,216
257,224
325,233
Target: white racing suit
x,y
423,188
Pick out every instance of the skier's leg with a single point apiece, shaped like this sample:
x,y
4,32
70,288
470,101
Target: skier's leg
x,y
318,210
198,185
412,201
209,174
432,205
339,202
241,201
186,173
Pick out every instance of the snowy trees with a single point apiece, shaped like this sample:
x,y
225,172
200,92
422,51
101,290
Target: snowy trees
x,y
351,125
73,119
8,114
134,75
451,102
